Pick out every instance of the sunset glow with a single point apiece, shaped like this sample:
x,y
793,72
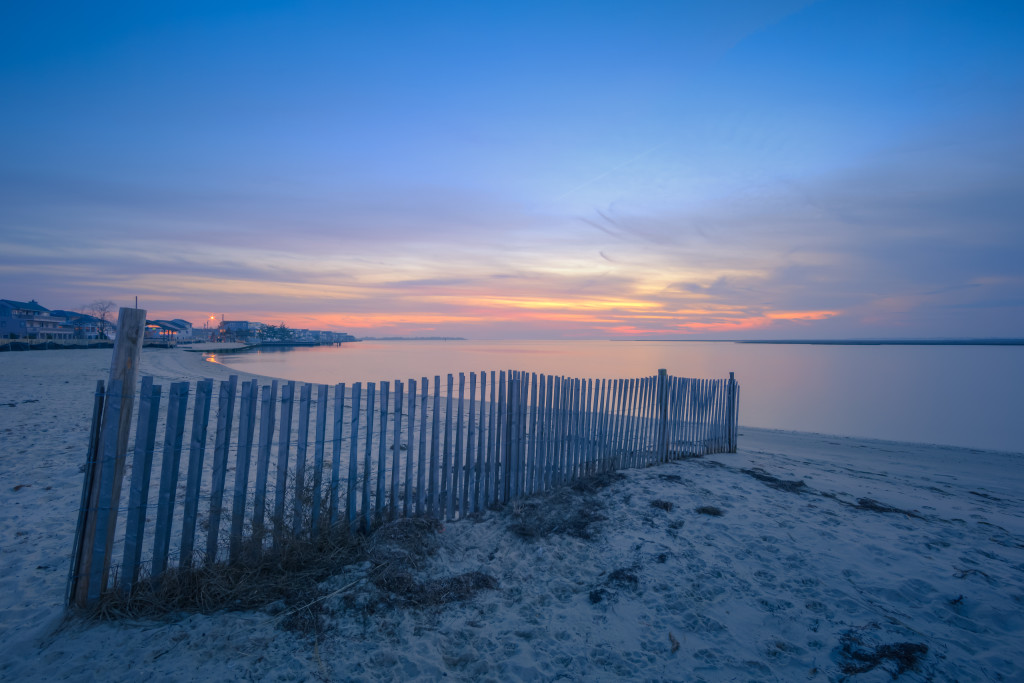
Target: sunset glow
x,y
681,170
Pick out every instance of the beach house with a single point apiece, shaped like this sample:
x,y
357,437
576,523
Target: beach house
x,y
21,320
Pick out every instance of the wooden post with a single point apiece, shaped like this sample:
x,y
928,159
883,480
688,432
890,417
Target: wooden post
x,y
124,366
730,412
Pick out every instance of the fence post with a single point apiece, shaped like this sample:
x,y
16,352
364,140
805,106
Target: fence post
x,y
131,324
730,412
663,415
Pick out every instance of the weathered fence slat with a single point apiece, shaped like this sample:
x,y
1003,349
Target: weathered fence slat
x,y
491,437
396,452
318,459
447,492
301,446
169,471
78,570
433,507
382,455
284,441
225,414
246,428
481,444
247,425
458,478
138,495
337,434
106,458
351,509
410,451
468,490
421,461
196,455
267,399
371,391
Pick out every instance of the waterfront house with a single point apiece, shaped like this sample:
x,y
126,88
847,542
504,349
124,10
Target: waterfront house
x,y
19,319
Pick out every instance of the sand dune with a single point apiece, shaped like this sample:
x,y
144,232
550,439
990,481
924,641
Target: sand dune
x,y
828,559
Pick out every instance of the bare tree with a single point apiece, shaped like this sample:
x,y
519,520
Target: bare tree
x,y
103,311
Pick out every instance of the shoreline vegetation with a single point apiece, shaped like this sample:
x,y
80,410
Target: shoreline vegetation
x,y
801,557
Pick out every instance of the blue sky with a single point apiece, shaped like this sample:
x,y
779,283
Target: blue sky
x,y
550,170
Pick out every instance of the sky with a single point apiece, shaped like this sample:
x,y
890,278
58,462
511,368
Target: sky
x,y
547,170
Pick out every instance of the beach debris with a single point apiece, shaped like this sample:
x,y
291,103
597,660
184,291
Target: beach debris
x,y
860,658
874,506
570,511
710,510
410,592
964,573
624,577
797,486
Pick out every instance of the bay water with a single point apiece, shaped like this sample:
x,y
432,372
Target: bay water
x,y
959,395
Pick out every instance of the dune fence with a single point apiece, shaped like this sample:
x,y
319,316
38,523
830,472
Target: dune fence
x,y
266,465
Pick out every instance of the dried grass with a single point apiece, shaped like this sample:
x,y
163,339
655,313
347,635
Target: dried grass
x,y
290,571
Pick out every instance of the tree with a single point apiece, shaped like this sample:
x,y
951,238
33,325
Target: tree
x,y
103,311
275,332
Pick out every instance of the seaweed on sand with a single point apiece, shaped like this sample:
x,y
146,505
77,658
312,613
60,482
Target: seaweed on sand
x,y
571,511
859,658
797,486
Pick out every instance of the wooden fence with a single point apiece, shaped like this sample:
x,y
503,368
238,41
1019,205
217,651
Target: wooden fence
x,y
286,460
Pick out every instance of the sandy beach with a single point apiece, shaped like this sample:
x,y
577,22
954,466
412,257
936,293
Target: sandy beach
x,y
801,557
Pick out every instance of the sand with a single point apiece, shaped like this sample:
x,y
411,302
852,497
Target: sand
x,y
830,559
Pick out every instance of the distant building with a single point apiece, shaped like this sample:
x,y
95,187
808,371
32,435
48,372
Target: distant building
x,y
168,331
19,319
187,333
234,330
83,325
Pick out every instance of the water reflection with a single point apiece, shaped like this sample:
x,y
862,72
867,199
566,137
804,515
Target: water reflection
x,y
959,395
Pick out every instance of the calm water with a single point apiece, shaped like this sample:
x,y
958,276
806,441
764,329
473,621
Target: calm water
x,y
958,395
